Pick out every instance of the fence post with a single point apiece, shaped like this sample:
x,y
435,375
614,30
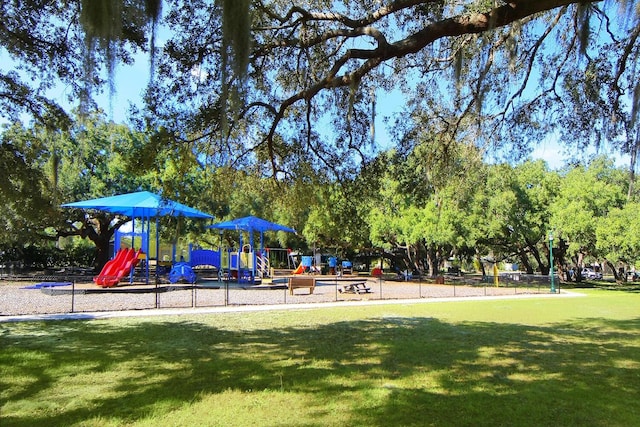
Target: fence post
x,y
157,296
286,288
73,295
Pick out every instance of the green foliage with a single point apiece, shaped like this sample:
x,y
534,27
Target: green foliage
x,y
307,79
518,200
308,67
47,256
24,187
56,167
585,197
618,234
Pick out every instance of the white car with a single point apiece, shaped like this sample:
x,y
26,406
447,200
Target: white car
x,y
590,273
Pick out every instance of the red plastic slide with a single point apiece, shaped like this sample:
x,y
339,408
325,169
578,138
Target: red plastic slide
x,y
117,268
299,270
111,266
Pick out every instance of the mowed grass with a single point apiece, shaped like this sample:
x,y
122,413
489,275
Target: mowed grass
x,y
519,362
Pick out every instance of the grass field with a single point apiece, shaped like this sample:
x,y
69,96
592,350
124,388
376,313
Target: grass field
x,y
519,362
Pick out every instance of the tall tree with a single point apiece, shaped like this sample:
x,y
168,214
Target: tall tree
x,y
517,217
618,238
586,195
25,186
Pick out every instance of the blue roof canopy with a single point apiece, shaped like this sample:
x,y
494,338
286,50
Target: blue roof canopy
x,y
141,204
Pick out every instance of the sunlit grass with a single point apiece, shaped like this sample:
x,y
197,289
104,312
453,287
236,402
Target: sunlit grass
x,y
540,361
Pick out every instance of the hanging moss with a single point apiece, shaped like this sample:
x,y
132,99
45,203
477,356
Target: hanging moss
x,y
101,19
102,24
236,30
584,30
153,10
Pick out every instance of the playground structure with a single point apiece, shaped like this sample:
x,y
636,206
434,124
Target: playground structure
x,y
314,265
247,264
143,205
182,261
244,265
307,266
182,271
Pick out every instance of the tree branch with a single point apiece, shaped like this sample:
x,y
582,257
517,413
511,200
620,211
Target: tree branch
x,y
460,25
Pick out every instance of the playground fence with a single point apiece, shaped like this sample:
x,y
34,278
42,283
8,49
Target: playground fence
x,y
19,297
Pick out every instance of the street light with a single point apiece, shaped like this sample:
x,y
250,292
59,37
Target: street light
x,y
553,285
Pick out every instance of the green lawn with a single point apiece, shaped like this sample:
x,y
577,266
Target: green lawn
x,y
520,362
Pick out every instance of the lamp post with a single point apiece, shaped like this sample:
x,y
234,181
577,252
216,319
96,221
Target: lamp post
x,y
553,285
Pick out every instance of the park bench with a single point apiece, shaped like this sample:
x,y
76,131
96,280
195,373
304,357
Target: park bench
x,y
296,282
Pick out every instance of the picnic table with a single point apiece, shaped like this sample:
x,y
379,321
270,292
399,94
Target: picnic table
x,y
355,288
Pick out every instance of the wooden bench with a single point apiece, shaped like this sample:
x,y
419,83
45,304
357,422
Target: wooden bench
x,y
296,282
356,288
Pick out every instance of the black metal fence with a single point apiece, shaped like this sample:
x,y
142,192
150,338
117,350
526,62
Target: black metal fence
x,y
72,294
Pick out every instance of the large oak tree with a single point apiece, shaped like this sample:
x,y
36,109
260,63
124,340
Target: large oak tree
x,y
270,82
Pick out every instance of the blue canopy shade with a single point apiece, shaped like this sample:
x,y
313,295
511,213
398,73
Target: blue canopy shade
x,y
250,224
142,204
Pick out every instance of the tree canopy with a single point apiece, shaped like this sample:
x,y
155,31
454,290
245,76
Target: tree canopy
x,y
268,83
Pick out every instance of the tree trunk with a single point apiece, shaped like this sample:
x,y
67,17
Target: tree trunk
x,y
481,264
616,274
633,154
524,261
99,231
542,265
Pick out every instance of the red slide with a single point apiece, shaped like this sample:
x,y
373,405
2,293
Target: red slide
x,y
299,270
111,266
117,268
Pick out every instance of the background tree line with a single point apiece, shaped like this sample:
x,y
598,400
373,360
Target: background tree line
x,y
270,106
418,207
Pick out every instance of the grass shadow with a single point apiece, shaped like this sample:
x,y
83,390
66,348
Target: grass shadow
x,y
390,370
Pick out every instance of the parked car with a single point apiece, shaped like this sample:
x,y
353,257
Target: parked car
x,y
590,273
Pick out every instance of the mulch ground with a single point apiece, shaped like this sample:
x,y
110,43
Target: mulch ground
x,y
55,296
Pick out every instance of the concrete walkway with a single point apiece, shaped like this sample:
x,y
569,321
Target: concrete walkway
x,y
98,315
